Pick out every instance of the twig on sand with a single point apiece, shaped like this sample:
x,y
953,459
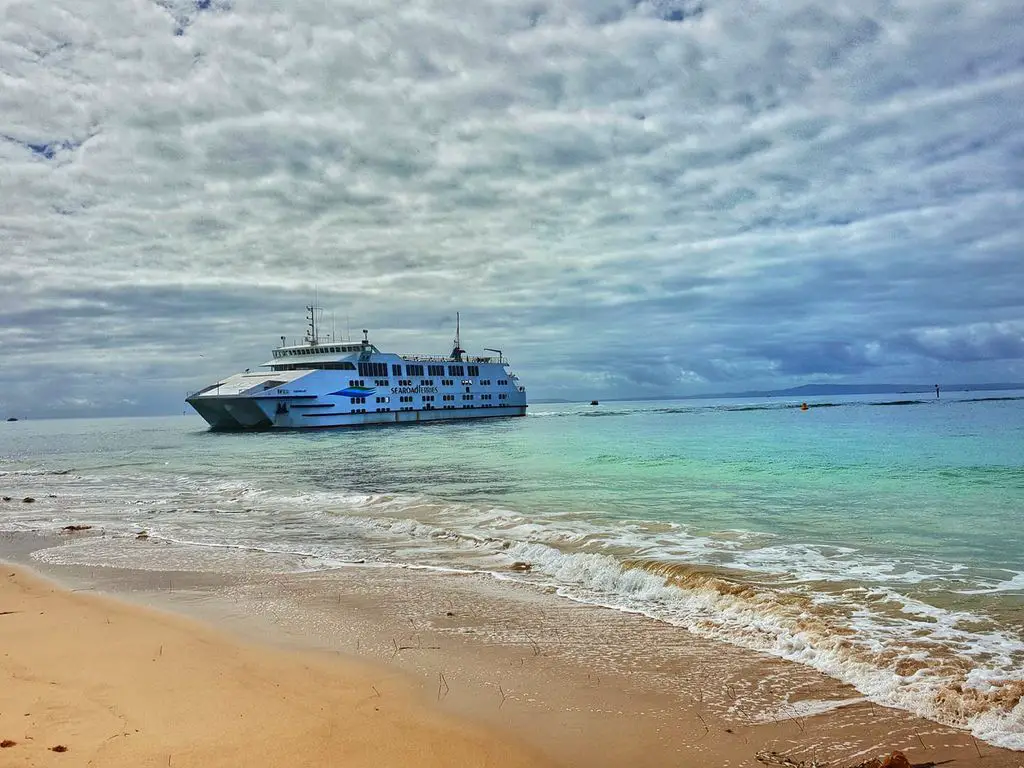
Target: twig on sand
x,y
976,747
418,647
768,757
441,682
796,719
748,720
707,728
503,696
375,690
534,645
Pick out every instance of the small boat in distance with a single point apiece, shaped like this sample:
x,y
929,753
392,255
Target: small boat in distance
x,y
321,383
594,402
12,418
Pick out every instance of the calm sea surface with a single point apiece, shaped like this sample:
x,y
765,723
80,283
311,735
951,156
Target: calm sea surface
x,y
879,539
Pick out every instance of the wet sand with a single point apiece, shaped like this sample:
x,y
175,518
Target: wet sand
x,y
285,669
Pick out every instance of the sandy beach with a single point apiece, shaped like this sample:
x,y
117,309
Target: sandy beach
x,y
89,680
369,666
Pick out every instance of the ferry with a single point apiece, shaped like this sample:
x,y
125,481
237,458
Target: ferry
x,y
326,383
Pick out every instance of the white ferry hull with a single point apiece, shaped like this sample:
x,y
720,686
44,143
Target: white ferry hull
x,y
238,414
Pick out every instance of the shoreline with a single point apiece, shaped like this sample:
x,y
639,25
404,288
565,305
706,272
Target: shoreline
x,y
576,684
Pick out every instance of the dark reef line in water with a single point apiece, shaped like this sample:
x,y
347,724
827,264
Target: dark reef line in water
x,y
777,406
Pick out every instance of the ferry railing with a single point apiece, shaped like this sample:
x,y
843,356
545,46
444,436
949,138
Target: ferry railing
x,y
446,360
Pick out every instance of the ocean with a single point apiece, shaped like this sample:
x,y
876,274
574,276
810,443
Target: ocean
x,y
878,539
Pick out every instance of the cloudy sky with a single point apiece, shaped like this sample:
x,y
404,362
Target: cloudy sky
x,y
627,196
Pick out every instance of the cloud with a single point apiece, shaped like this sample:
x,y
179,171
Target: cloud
x,y
725,194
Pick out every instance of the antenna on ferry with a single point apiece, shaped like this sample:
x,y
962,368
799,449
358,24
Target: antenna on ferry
x,y
458,351
311,335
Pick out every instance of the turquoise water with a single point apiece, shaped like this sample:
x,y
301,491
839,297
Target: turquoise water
x,y
879,540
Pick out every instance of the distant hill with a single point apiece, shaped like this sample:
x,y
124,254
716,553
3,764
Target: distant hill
x,y
813,390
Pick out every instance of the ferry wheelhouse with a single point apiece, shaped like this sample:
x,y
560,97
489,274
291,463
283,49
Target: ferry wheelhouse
x,y
325,383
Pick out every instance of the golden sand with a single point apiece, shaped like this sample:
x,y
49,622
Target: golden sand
x,y
88,680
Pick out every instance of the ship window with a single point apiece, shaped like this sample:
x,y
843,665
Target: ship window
x,y
396,370
414,370
456,370
474,370
373,369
